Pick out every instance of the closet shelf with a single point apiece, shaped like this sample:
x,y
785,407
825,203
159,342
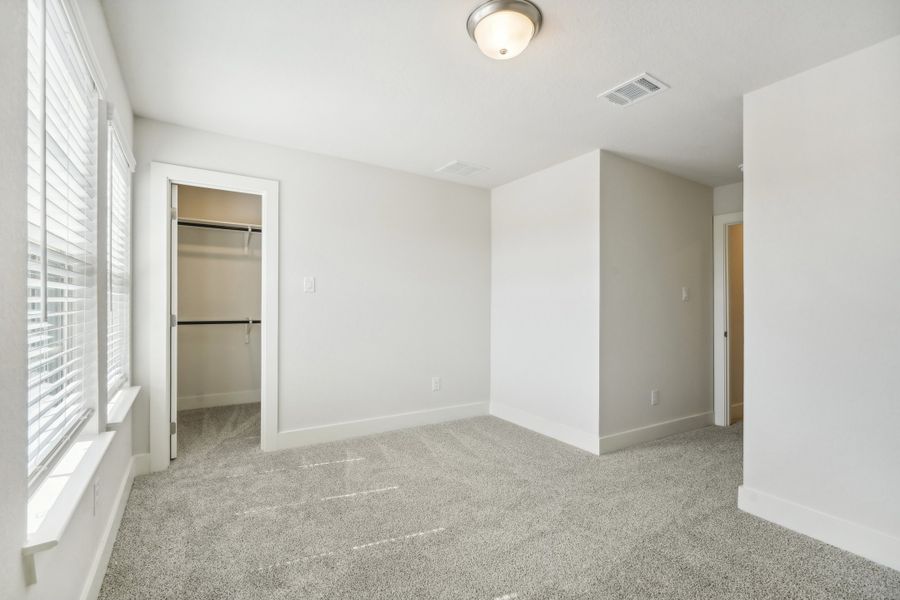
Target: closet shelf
x,y
224,225
222,322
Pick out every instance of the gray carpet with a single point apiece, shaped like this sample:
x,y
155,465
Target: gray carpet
x,y
476,509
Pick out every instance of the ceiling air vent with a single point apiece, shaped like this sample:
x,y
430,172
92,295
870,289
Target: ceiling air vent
x,y
634,90
461,169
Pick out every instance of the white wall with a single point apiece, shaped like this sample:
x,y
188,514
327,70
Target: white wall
x,y
403,284
655,239
822,258
75,568
728,198
13,169
95,23
545,301
84,542
218,278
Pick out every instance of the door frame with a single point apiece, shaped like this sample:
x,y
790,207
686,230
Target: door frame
x,y
721,407
159,268
173,312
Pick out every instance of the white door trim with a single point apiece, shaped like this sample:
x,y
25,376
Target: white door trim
x,y
173,310
162,176
720,313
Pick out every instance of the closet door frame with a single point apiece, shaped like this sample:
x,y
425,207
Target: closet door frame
x,y
159,274
173,322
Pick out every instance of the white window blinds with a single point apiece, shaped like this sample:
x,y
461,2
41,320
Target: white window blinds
x,y
62,205
118,264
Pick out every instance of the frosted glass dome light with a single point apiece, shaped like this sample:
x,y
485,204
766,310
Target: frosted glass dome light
x,y
504,28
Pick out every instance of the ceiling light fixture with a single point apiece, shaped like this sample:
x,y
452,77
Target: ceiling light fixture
x,y
503,28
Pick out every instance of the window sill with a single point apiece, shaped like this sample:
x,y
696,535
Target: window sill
x,y
52,506
120,407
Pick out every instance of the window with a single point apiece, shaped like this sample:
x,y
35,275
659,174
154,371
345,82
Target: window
x,y
62,234
118,262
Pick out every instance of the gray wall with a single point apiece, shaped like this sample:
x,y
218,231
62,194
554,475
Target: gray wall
x,y
728,198
655,238
589,258
403,280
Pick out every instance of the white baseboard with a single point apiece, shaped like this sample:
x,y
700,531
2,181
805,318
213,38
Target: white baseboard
x,y
564,433
101,559
141,464
218,399
859,539
649,433
350,429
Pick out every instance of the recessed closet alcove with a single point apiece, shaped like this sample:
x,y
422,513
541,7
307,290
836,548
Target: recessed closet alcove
x,y
217,294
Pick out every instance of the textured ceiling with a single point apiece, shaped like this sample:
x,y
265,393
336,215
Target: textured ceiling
x,y
398,83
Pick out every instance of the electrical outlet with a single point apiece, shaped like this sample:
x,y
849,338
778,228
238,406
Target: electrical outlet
x,y
685,294
435,384
96,497
654,397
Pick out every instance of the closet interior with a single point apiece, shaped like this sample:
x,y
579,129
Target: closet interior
x,y
218,299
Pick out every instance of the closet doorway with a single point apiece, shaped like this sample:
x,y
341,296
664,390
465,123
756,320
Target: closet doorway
x,y
207,259
217,296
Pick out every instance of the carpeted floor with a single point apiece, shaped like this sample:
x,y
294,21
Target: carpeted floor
x,y
476,509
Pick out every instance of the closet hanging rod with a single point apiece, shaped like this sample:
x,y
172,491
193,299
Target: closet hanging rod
x,y
217,225
229,322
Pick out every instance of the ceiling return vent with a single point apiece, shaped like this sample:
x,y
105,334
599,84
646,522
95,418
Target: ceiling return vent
x,y
634,90
460,169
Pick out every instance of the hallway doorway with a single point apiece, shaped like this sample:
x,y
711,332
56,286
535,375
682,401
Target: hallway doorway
x,y
735,332
728,277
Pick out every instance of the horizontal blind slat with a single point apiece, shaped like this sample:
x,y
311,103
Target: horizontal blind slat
x,y
118,265
62,230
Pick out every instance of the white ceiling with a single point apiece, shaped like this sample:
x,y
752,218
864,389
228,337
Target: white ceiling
x,y
398,83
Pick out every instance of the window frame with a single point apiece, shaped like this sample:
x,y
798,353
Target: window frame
x,y
115,142
79,61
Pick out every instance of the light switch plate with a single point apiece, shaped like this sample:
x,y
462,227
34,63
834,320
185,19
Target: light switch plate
x,y
309,285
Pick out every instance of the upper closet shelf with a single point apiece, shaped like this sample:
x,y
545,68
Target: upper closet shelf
x,y
245,227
